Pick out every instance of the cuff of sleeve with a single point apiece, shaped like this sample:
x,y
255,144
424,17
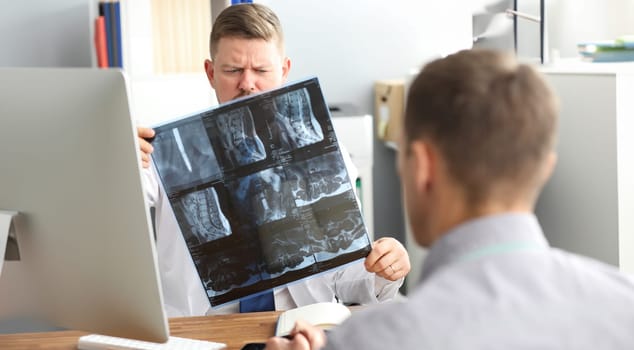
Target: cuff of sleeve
x,y
386,289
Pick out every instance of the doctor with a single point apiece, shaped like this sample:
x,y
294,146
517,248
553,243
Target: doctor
x,y
247,56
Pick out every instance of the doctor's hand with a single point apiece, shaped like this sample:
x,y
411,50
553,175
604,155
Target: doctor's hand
x,y
145,147
303,337
388,259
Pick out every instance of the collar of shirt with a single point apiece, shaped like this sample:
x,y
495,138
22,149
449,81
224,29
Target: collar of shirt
x,y
485,236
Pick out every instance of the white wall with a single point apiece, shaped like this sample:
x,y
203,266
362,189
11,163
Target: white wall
x,y
349,44
573,21
43,33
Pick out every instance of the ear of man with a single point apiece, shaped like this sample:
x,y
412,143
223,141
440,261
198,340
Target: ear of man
x,y
423,165
546,171
209,70
286,68
551,163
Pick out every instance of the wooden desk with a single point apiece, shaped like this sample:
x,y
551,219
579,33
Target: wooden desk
x,y
235,330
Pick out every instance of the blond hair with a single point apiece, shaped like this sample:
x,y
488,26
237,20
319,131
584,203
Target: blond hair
x,y
248,21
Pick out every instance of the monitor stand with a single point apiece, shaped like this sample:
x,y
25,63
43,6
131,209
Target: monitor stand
x,y
8,243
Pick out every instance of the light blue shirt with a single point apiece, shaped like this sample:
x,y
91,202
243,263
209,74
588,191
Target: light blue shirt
x,y
494,283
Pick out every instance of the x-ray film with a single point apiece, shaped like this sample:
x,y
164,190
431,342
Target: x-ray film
x,y
260,191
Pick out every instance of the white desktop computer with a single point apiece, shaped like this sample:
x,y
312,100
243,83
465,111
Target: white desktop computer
x,y
81,250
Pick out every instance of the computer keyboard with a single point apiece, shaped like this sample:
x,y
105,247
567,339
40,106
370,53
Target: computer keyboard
x,y
102,342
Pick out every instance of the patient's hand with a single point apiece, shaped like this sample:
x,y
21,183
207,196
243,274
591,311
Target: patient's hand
x,y
145,147
304,336
388,259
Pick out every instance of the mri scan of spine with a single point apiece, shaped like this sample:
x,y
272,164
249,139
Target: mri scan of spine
x,y
184,156
201,212
294,112
341,231
286,250
318,178
241,144
226,269
263,195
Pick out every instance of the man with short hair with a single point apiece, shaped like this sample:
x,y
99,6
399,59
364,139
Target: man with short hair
x,y
477,147
247,56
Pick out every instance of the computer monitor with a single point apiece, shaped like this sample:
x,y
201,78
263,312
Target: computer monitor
x,y
69,166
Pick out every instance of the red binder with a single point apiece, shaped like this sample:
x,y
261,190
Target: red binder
x,y
101,43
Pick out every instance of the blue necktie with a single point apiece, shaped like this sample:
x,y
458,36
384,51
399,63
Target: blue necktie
x,y
257,303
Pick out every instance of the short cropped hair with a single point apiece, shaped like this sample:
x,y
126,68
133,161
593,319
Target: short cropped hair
x,y
492,118
248,21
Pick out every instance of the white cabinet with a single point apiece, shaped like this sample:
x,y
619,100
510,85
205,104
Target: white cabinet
x,y
588,205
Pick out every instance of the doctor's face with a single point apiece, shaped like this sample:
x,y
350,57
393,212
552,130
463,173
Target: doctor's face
x,y
245,66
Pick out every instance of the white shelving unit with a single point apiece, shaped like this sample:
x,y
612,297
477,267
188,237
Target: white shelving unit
x,y
156,98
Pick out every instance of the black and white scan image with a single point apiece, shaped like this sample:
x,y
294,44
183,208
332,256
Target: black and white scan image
x,y
263,197
184,157
319,177
341,230
200,216
320,233
295,119
239,143
261,192
234,265
286,246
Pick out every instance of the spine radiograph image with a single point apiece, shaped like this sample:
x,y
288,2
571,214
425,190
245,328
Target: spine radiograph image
x,y
184,157
240,143
318,177
263,197
286,246
229,267
261,192
341,230
323,233
295,119
200,217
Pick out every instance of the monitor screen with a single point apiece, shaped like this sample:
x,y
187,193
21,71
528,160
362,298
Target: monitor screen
x,y
83,241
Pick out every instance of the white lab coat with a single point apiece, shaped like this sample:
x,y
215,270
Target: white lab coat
x,y
183,293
